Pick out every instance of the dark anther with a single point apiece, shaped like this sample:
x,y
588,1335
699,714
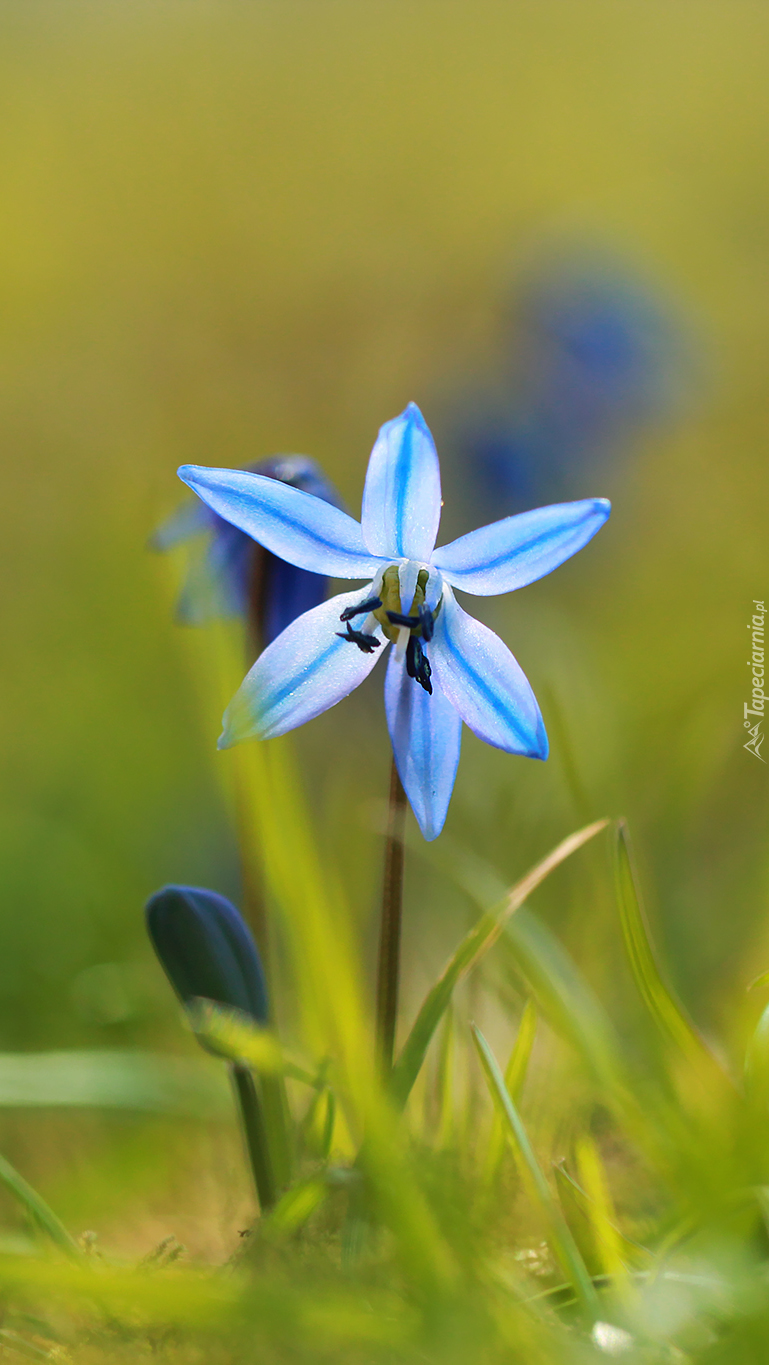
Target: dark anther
x,y
366,643
424,621
418,664
427,622
370,605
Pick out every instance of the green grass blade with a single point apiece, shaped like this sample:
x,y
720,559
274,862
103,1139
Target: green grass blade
x,y
473,947
601,1211
534,953
563,1244
18,1345
580,1216
294,1209
515,1075
445,1083
570,1006
334,1020
665,1009
316,1131
37,1208
757,1066
255,1134
234,1035
112,1078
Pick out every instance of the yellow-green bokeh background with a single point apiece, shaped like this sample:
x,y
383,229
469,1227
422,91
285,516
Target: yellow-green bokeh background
x,y
228,229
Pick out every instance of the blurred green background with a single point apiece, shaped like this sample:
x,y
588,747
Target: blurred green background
x,y
231,229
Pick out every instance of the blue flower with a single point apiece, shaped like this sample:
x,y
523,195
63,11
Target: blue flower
x,y
445,667
206,949
234,577
588,356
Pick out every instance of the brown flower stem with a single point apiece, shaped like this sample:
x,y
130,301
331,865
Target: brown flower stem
x,y
390,929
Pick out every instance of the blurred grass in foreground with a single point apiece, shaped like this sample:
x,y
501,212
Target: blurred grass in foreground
x,y
227,231
662,1253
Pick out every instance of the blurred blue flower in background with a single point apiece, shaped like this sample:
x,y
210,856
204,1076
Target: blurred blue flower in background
x,y
588,355
230,575
446,667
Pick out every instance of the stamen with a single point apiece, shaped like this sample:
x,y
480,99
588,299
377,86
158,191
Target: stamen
x,y
427,622
424,621
370,604
418,664
366,643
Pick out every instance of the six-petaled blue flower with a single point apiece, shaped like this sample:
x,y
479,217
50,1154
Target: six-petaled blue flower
x,y
445,667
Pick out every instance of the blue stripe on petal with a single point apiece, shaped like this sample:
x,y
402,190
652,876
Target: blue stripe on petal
x,y
509,554
485,683
296,526
302,673
402,496
426,732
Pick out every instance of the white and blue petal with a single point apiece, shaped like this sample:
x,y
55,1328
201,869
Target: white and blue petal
x,y
402,495
305,671
298,527
484,682
509,554
425,732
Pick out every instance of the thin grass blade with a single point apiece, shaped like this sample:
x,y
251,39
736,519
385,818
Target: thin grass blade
x,y
665,1009
600,1209
473,947
570,1005
576,1203
294,1209
445,1082
37,1208
515,1075
563,1245
233,1035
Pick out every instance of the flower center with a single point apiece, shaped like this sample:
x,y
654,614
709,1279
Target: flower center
x,y
410,632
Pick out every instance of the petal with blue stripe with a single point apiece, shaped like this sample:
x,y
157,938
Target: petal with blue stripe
x,y
302,673
296,526
484,682
509,554
425,732
402,496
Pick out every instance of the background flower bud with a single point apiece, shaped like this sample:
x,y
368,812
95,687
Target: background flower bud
x,y
206,949
236,577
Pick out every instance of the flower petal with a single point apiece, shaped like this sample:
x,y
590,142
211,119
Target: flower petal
x,y
402,496
288,592
485,683
187,521
425,732
302,673
300,528
509,554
